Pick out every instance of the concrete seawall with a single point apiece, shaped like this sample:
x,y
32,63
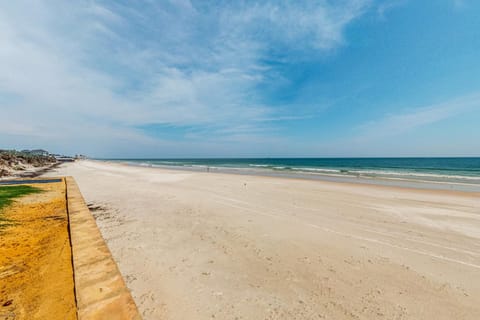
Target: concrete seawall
x,y
100,290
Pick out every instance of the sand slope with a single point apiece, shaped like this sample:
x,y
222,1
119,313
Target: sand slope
x,y
204,245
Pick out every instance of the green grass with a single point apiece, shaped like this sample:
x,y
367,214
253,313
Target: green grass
x,y
7,196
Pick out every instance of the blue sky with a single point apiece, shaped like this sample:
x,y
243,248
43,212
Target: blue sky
x,y
241,78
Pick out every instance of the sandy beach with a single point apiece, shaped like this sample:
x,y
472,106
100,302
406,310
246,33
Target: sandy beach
x,y
197,245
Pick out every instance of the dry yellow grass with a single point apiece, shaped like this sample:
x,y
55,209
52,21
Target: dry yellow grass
x,y
36,277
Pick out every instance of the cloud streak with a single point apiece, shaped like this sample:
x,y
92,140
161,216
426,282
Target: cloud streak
x,y
410,120
388,5
102,67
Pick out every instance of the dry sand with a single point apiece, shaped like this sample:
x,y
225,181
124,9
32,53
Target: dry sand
x,y
197,245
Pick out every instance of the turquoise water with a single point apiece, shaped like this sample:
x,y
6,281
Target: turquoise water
x,y
457,170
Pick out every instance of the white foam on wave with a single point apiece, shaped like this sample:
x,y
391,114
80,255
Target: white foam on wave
x,y
345,172
355,172
317,170
415,174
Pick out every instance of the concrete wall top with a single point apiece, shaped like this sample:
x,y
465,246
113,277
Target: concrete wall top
x,y
100,290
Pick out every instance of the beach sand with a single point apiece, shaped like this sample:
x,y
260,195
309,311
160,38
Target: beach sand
x,y
195,245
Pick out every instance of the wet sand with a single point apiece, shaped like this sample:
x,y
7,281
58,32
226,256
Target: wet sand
x,y
195,245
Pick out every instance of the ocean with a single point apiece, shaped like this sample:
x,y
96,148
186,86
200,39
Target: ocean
x,y
434,170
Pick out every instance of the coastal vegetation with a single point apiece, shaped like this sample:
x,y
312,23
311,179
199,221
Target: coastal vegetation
x,y
35,254
12,161
7,196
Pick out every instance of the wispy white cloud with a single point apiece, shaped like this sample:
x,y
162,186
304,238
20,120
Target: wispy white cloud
x,y
305,23
387,5
411,119
83,70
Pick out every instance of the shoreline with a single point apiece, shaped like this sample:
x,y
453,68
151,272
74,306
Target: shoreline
x,y
381,181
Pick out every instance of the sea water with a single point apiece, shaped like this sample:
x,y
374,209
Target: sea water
x,y
450,170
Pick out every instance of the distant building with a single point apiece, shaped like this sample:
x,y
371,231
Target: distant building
x,y
62,158
37,152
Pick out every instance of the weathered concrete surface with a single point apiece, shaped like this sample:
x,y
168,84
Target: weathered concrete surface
x,y
100,290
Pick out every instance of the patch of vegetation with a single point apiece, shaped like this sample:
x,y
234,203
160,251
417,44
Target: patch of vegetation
x,y
7,196
17,160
